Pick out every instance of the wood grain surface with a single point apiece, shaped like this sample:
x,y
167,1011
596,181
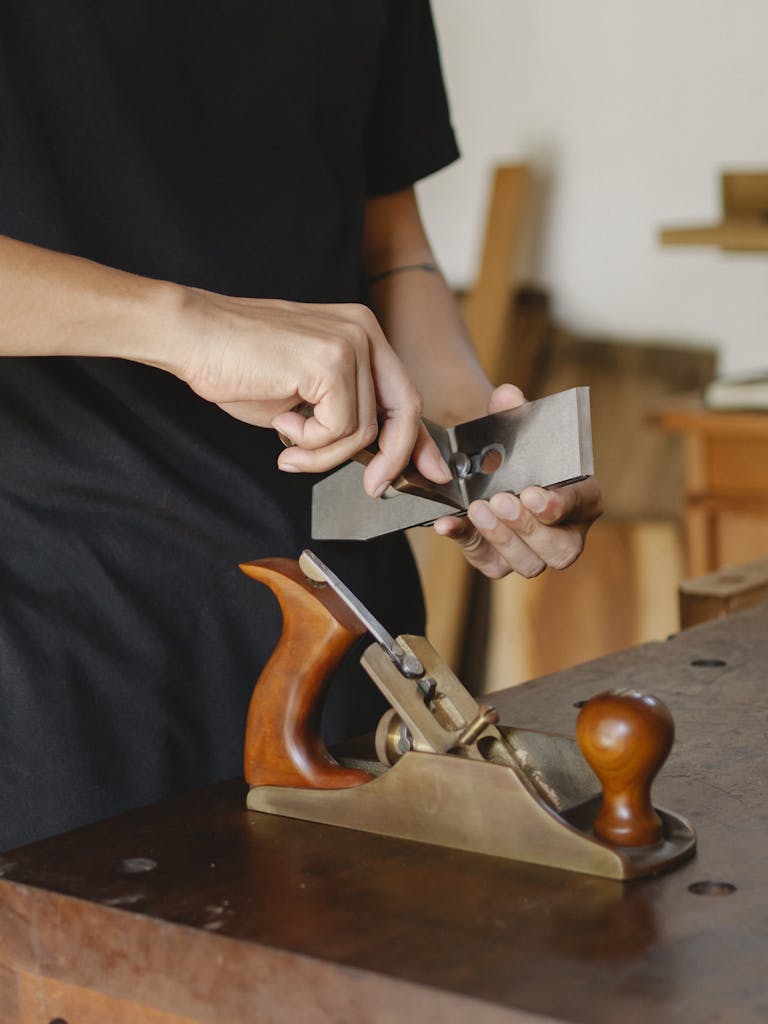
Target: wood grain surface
x,y
283,746
200,910
625,737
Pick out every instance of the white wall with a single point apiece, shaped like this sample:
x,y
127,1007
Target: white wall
x,y
629,109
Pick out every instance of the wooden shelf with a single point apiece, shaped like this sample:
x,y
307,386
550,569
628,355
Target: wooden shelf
x,y
744,223
737,234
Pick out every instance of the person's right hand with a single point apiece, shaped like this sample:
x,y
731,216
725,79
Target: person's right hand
x,y
259,358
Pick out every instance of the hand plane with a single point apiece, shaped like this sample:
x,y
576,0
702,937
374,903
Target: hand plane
x,y
442,769
546,442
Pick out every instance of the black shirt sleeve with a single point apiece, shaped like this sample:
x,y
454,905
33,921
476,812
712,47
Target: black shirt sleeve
x,y
409,133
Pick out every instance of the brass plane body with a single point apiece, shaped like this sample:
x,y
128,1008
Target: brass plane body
x,y
477,806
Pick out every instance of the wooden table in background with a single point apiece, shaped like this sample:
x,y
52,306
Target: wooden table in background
x,y
726,499
247,917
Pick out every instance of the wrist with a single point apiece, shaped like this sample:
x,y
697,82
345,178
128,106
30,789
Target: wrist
x,y
162,316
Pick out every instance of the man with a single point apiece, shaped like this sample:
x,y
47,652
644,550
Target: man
x,y
158,163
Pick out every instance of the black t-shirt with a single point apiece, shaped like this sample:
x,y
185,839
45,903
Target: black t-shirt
x,y
228,146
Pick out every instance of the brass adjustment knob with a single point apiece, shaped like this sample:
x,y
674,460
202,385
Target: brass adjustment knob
x,y
625,737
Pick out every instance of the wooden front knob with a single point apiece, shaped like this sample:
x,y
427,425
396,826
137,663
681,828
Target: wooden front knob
x,y
625,737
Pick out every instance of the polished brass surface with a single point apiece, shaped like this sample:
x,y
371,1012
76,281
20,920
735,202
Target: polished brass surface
x,y
486,716
436,725
478,806
393,738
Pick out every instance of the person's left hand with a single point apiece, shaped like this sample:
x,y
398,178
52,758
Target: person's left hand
x,y
525,535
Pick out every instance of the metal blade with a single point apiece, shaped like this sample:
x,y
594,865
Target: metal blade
x,y
546,443
341,510
408,664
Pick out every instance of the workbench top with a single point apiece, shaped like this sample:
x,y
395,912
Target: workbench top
x,y
198,910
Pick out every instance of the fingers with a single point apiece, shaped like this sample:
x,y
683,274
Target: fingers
x,y
402,434
525,535
506,396
341,400
427,459
360,384
382,394
258,358
396,437
388,463
351,386
557,546
489,546
581,502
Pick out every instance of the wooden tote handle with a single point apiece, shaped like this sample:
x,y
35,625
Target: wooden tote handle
x,y
283,746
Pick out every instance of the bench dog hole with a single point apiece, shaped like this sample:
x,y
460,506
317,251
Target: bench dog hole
x,y
712,888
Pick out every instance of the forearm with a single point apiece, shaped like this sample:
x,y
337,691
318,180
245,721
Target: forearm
x,y
255,358
54,304
423,324
419,314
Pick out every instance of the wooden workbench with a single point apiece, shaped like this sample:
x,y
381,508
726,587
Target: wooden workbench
x,y
245,918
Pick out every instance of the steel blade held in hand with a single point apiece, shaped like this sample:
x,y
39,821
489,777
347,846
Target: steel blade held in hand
x,y
546,443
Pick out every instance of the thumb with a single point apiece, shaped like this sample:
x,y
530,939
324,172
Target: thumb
x,y
506,396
